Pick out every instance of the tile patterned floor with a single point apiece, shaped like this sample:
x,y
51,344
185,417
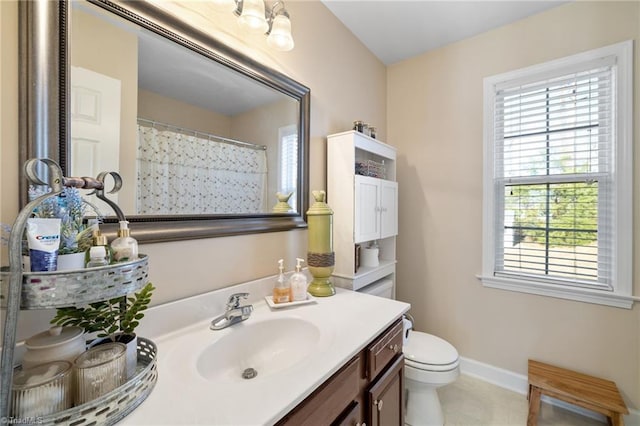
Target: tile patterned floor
x,y
473,402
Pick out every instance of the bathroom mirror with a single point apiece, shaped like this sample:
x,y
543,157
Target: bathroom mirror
x,y
203,136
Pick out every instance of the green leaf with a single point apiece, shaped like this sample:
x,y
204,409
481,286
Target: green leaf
x,y
106,317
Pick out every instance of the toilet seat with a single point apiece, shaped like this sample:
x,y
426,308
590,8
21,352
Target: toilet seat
x,y
430,353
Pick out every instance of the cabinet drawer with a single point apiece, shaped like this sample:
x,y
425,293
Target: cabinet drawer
x,y
384,349
330,400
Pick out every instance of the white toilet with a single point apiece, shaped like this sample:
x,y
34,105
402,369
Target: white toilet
x,y
430,362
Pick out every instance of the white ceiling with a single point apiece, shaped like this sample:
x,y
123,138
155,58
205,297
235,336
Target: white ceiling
x,y
169,69
395,30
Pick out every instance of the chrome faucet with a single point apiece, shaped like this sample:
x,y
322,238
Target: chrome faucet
x,y
234,313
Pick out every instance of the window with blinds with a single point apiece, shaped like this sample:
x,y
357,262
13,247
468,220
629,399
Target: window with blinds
x,y
552,162
288,170
558,177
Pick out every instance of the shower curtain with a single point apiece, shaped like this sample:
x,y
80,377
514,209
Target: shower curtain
x,y
185,174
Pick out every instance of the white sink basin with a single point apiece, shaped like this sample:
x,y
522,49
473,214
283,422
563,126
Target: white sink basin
x,y
268,347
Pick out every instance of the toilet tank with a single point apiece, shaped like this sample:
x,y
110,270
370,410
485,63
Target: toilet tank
x,y
382,288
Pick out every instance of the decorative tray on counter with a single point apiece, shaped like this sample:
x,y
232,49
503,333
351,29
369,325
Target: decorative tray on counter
x,y
271,303
115,405
57,289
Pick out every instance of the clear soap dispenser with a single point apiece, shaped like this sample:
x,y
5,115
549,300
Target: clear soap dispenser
x,y
282,290
97,257
298,282
100,240
124,248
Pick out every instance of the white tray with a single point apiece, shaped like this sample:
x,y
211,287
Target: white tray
x,y
269,299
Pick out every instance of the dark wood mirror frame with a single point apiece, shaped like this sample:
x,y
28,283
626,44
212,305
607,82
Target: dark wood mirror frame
x,y
44,106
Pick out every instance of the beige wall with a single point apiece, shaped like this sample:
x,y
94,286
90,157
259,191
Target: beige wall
x,y
346,84
8,115
435,119
261,125
153,106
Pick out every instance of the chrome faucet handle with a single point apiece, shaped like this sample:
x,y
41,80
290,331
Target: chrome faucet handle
x,y
234,300
246,311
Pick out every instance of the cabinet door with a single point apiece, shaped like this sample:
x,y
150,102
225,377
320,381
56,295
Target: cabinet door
x,y
366,209
388,208
385,397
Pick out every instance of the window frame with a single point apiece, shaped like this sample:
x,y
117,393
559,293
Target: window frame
x,y
620,294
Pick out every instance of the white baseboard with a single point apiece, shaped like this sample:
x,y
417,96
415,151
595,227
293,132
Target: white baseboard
x,y
518,383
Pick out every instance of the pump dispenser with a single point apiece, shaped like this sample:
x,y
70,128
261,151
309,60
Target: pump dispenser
x,y
298,282
282,290
100,240
125,248
97,257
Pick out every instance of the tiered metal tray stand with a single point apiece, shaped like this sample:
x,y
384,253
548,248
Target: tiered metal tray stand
x,y
21,290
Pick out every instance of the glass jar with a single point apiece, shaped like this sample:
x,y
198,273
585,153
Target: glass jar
x,y
42,390
358,126
99,370
373,132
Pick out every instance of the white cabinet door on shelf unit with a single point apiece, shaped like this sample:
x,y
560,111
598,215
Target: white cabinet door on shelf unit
x,y
367,209
376,209
388,208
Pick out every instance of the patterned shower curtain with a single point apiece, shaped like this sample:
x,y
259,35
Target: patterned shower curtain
x,y
186,174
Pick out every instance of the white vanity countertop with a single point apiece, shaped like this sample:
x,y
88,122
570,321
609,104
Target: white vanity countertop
x,y
347,321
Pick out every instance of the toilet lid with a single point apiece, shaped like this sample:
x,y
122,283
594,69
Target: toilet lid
x,y
428,349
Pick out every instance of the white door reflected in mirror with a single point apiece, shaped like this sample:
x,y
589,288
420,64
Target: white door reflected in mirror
x,y
95,127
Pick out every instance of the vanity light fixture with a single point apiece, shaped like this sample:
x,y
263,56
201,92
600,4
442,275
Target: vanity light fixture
x,y
252,16
258,16
279,36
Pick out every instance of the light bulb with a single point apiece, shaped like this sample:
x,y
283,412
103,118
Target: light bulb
x,y
253,16
280,36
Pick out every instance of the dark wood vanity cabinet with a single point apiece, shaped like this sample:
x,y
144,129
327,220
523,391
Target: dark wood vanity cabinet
x,y
367,390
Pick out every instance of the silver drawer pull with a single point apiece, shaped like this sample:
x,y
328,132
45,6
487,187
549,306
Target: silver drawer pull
x,y
378,403
395,348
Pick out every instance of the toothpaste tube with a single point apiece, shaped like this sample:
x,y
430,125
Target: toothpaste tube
x,y
43,236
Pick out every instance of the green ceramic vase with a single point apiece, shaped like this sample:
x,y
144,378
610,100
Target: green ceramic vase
x,y
320,255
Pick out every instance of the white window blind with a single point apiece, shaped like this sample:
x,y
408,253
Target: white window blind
x,y
553,181
288,170
558,181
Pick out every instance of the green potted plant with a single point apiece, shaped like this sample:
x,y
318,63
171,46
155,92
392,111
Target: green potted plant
x,y
113,320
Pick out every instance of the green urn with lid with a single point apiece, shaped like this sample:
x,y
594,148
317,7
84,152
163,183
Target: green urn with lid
x,y
320,255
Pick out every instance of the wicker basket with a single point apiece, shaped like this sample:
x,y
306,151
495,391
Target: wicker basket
x,y
371,168
43,290
115,405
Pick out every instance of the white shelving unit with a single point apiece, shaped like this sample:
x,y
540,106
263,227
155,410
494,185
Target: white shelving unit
x,y
365,208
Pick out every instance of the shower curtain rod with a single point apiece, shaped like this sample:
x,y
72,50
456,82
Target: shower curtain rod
x,y
154,123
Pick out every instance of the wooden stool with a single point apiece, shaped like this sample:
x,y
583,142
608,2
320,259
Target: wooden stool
x,y
585,391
